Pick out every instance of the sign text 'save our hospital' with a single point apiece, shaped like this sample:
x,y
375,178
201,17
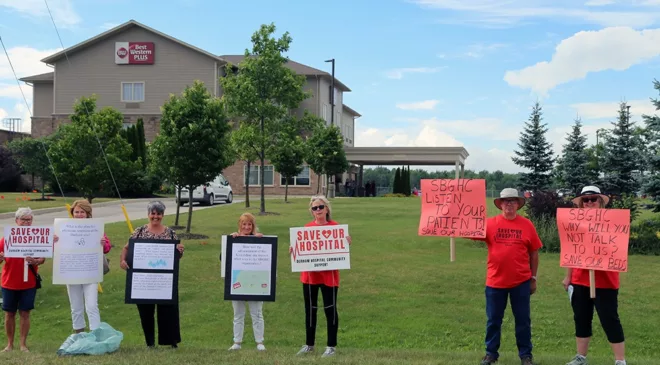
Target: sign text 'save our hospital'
x,y
134,53
320,248
28,241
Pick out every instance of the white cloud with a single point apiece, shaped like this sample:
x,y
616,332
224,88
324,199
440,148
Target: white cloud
x,y
489,13
26,61
63,13
430,133
616,48
420,105
108,26
399,73
13,92
610,109
3,114
19,111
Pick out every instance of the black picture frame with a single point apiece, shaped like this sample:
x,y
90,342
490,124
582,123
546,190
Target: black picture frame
x,y
266,240
130,271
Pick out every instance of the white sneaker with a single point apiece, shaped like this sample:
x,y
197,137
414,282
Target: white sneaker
x,y
329,351
235,347
261,347
620,362
305,350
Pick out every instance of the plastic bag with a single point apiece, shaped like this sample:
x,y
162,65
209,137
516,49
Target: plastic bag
x,y
103,340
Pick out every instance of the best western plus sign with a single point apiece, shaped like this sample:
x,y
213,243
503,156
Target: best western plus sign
x,y
134,53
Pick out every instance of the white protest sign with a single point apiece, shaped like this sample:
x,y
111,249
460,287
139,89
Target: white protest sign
x,y
78,254
29,241
320,248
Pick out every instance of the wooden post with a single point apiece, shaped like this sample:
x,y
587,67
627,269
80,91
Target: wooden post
x,y
592,283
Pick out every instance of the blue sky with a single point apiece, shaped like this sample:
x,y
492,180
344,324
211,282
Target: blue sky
x,y
422,72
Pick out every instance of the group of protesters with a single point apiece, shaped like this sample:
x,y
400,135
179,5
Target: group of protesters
x,y
512,267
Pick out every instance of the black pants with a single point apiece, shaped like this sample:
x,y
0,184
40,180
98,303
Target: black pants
x,y
311,295
168,323
606,303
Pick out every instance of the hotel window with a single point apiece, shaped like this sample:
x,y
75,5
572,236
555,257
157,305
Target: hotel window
x,y
132,92
302,179
254,175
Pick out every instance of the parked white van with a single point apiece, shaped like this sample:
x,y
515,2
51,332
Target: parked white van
x,y
209,193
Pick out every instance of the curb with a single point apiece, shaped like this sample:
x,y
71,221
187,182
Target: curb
x,y
61,209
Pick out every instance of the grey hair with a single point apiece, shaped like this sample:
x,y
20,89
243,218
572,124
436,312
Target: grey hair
x,y
157,205
22,212
325,202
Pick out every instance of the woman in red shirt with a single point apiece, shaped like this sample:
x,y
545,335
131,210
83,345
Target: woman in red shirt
x,y
606,301
326,281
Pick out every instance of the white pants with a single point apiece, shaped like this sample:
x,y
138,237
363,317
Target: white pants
x,y
84,295
257,320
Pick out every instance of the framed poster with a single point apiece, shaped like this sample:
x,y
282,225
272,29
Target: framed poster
x,y
78,254
250,268
153,271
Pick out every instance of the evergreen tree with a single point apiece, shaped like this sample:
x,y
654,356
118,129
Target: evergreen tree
x,y
620,160
407,182
574,160
141,142
652,186
535,153
396,184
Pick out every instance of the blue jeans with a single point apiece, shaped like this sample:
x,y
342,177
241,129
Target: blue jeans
x,y
496,300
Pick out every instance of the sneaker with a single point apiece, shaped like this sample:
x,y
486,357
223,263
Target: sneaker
x,y
305,350
329,351
234,347
261,347
488,360
620,362
526,361
578,360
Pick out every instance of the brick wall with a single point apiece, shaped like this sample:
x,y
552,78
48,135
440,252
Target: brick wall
x,y
236,177
6,136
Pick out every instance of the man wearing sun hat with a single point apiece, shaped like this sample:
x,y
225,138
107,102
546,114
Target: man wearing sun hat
x,y
513,261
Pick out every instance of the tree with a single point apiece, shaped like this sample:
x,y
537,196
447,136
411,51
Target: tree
x,y
159,153
10,171
264,90
406,181
31,155
77,156
325,150
195,131
535,153
141,142
652,186
288,153
244,145
574,160
620,159
396,185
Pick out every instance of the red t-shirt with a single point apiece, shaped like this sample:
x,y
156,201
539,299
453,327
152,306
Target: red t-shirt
x,y
604,279
509,244
328,277
12,272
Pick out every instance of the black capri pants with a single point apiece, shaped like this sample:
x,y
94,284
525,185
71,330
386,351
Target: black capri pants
x,y
606,303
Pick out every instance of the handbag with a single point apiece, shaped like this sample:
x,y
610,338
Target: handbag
x,y
38,286
106,265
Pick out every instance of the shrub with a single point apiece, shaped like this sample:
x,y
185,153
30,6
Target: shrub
x,y
625,201
549,234
645,237
543,205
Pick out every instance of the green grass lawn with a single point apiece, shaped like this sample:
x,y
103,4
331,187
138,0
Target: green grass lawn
x,y
403,301
9,202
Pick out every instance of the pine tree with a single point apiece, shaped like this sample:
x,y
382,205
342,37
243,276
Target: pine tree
x,y
141,141
396,183
407,182
535,153
575,161
620,160
652,186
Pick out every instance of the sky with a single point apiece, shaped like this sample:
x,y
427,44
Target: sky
x,y
422,72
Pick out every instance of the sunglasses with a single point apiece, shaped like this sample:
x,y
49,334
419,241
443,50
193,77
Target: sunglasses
x,y
589,200
318,207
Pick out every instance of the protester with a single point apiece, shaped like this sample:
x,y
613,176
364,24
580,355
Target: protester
x,y
247,226
325,281
606,301
513,261
85,296
169,333
18,295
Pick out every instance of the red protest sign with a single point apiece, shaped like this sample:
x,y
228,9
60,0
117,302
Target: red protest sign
x,y
594,239
453,208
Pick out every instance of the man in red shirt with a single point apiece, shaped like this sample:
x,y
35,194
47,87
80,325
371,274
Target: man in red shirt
x,y
513,261
18,295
